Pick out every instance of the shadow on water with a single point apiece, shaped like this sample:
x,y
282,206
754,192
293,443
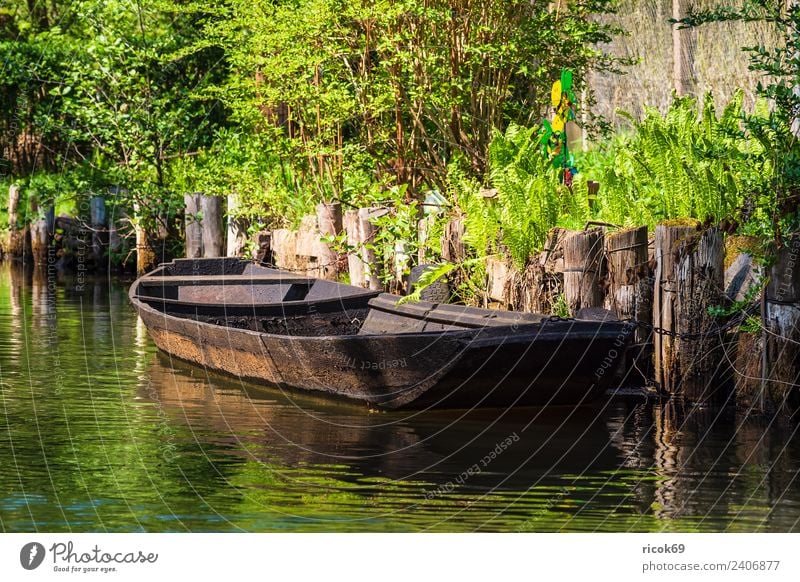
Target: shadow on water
x,y
100,432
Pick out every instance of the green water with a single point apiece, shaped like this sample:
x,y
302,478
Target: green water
x,y
100,432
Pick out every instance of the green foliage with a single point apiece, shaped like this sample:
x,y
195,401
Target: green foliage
x,y
774,207
678,165
405,86
529,200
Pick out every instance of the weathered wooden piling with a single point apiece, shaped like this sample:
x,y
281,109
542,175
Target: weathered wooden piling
x,y
237,229
213,236
329,218
355,265
193,226
329,225
782,328
16,234
667,238
538,286
38,232
453,248
98,220
630,285
700,279
689,279
145,255
583,269
630,295
368,232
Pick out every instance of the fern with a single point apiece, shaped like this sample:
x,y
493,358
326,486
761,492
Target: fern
x,y
682,164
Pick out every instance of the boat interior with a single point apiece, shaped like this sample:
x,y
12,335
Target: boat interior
x,y
242,295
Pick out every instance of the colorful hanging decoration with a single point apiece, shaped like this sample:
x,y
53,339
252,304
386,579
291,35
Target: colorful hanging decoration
x,y
554,136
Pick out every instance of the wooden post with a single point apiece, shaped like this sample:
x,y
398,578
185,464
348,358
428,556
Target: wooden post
x,y
453,249
630,295
329,218
38,230
329,224
630,292
354,263
782,328
262,253
700,278
583,269
666,242
145,256
98,220
237,229
193,227
689,279
16,240
372,270
213,237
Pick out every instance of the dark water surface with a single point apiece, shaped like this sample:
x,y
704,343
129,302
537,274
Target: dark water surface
x,y
100,432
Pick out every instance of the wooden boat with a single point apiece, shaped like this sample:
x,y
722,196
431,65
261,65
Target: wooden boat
x,y
271,326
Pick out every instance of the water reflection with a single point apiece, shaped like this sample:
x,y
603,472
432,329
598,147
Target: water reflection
x,y
100,432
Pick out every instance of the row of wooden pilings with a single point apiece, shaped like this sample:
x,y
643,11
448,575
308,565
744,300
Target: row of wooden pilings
x,y
669,285
665,282
43,238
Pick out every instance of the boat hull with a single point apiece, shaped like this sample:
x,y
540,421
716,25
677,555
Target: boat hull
x,y
552,363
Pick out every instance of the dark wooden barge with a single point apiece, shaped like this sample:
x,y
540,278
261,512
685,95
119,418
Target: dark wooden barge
x,y
271,326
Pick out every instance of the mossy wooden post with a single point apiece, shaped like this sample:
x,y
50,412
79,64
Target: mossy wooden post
x,y
700,279
667,238
355,265
782,328
583,269
213,237
237,229
193,227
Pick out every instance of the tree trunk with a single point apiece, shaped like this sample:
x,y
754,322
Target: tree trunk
x,y
684,42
